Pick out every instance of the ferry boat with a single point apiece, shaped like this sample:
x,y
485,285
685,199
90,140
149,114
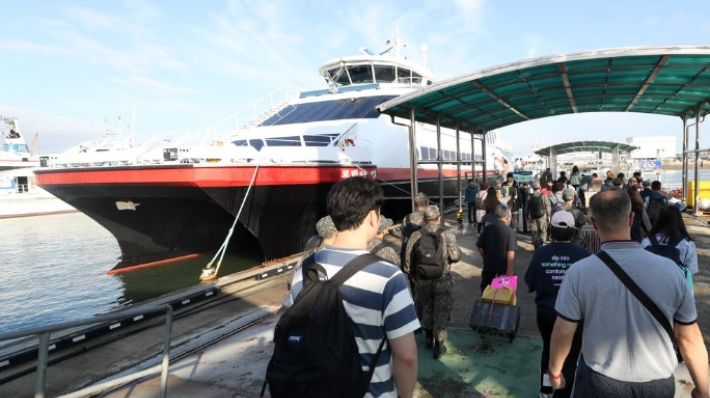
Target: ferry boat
x,y
19,194
170,197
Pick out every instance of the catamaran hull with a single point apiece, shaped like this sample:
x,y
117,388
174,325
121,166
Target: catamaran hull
x,y
167,212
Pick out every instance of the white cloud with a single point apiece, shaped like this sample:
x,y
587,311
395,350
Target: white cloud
x,y
26,46
532,43
92,19
151,84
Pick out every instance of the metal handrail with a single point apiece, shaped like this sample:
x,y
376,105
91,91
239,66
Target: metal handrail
x,y
44,333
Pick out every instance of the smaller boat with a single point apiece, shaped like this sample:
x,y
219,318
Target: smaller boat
x,y
19,194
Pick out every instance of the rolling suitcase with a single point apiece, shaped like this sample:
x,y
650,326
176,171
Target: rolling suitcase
x,y
495,319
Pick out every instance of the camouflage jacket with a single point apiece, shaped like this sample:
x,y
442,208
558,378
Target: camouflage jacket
x,y
452,253
386,253
416,218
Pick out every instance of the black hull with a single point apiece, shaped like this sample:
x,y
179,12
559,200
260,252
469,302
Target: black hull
x,y
173,221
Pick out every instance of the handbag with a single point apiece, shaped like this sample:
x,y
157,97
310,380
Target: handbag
x,y
641,296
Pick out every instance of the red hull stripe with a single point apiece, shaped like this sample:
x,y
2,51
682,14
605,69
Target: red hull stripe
x,y
235,176
152,264
206,177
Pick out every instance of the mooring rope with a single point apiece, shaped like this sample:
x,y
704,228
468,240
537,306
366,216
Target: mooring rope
x,y
223,249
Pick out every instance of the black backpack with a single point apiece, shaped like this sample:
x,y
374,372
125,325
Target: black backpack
x,y
669,251
638,231
655,203
429,255
536,206
407,232
315,353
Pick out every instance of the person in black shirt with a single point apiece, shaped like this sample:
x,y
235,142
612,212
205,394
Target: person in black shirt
x,y
544,276
497,245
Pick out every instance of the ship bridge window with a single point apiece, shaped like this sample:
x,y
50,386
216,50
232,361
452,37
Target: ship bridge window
x,y
360,74
284,141
359,108
384,74
240,143
339,76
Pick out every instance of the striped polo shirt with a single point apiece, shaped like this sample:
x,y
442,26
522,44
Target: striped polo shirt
x,y
378,303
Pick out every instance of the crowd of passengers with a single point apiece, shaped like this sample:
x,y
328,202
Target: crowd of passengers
x,y
599,338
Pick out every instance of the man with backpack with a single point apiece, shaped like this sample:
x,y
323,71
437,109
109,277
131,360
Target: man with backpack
x,y
379,247
655,201
431,251
324,320
539,210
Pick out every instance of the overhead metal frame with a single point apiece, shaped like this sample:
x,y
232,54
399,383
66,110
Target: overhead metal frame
x,y
665,80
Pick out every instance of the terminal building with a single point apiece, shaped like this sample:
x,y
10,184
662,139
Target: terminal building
x,y
657,147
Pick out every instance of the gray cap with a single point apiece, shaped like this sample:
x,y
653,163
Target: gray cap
x,y
325,227
536,185
384,223
568,194
431,213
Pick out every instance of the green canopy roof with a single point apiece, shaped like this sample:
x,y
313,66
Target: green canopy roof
x,y
670,81
585,146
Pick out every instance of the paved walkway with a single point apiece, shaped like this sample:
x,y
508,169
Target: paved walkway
x,y
475,367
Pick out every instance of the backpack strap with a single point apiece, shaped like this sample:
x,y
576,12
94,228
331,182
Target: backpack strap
x,y
379,247
654,240
353,267
638,293
311,268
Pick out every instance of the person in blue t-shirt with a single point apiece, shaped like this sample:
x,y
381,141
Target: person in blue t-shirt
x,y
470,200
544,276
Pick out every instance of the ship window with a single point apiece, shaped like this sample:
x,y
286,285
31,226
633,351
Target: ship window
x,y
284,141
432,154
257,144
359,108
317,140
360,74
339,76
384,73
416,77
447,155
240,142
425,153
404,75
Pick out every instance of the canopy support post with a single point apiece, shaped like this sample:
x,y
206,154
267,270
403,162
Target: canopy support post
x,y
441,170
473,156
685,160
484,155
553,162
413,163
696,188
458,166
615,159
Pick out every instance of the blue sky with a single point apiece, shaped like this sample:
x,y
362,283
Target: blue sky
x,y
66,66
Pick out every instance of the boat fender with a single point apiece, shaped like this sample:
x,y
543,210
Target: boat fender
x,y
349,142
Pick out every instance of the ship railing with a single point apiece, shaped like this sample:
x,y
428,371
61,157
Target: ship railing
x,y
44,333
249,115
231,154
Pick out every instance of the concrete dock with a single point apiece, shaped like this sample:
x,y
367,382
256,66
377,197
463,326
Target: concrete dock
x,y
223,351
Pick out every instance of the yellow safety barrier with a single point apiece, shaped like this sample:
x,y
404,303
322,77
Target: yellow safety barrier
x,y
704,192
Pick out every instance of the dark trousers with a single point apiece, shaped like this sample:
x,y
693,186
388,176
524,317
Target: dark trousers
x,y
487,278
580,193
471,212
595,385
546,322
